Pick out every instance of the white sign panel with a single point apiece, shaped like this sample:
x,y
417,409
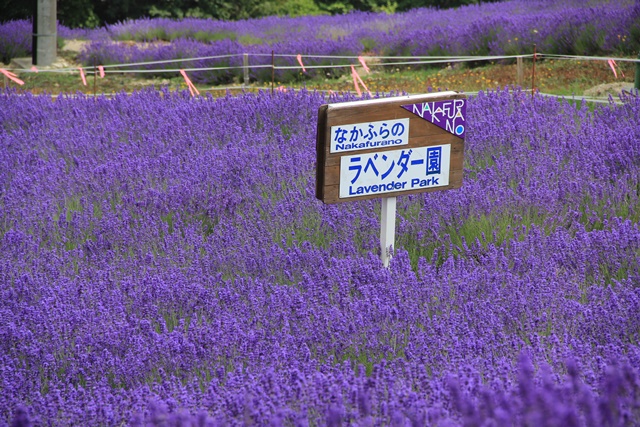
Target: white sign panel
x,y
395,170
363,136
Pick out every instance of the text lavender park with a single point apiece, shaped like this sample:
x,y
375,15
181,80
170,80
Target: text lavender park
x,y
395,170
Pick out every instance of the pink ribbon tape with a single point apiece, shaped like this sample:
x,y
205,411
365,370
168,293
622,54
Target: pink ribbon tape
x,y
355,80
11,76
364,64
84,80
299,58
356,75
191,86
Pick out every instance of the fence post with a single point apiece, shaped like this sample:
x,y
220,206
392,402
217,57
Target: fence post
x,y
533,73
94,77
245,68
637,81
519,71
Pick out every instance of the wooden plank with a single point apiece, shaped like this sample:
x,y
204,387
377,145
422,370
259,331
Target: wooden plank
x,y
349,112
320,150
422,133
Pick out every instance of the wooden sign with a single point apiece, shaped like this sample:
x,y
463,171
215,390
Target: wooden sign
x,y
390,146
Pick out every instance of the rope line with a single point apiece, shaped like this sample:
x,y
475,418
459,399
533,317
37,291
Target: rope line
x,y
112,68
372,61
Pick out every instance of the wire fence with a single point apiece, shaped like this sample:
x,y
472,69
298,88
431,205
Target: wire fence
x,y
347,61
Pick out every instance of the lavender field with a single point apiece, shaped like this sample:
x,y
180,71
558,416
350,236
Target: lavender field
x,y
163,261
508,28
571,27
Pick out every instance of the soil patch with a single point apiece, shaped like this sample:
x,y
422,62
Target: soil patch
x,y
607,89
74,45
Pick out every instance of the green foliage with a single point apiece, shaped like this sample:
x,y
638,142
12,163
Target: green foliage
x,y
589,41
335,8
288,8
230,10
442,4
149,35
78,14
345,6
631,44
471,235
15,9
368,44
205,36
247,40
576,40
93,13
195,12
389,7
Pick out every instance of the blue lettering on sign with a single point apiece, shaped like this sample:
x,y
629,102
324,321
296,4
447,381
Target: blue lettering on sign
x,y
340,135
377,188
357,168
397,129
395,170
404,159
371,165
362,136
367,144
434,157
419,183
384,132
386,174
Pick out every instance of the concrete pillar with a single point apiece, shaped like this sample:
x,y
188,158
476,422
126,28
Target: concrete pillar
x,y
44,33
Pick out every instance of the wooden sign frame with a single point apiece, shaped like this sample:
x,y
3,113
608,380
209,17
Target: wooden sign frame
x,y
421,133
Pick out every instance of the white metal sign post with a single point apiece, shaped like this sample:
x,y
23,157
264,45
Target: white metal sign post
x,y
387,229
386,147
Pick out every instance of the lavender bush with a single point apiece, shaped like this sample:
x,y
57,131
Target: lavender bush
x,y
163,261
15,40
